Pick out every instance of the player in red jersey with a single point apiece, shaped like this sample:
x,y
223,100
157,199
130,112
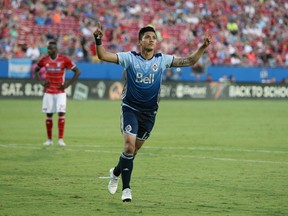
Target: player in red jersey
x,y
54,100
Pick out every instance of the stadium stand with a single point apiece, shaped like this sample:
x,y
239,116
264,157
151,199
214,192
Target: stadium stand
x,y
246,33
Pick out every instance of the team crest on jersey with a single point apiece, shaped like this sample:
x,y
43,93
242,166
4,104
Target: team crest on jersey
x,y
59,64
154,67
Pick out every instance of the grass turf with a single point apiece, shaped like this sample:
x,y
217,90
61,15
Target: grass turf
x,y
203,158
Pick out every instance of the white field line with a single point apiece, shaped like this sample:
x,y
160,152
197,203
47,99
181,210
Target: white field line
x,y
29,146
217,149
168,148
104,177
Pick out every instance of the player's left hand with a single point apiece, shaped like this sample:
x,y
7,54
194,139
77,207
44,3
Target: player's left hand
x,y
207,40
63,86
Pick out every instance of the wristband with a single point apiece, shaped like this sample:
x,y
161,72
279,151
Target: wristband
x,y
98,41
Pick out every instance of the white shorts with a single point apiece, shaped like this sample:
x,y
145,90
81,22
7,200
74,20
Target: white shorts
x,y
54,103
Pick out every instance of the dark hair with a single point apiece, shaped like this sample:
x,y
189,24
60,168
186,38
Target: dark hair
x,y
144,30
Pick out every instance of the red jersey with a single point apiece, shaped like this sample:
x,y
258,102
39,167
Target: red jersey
x,y
55,71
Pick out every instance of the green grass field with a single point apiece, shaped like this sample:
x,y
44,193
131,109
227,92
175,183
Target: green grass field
x,y
203,158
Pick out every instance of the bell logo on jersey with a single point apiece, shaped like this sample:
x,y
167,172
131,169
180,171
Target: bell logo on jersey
x,y
146,80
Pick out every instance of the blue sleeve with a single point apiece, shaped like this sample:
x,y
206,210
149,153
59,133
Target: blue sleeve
x,y
168,59
124,59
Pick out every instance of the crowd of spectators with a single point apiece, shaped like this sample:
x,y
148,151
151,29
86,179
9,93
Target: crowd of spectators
x,y
247,33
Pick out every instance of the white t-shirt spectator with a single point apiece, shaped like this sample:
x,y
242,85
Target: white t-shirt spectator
x,y
33,53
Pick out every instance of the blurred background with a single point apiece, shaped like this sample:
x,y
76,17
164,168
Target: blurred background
x,y
251,37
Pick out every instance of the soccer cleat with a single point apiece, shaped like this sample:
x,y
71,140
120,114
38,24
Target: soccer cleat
x,y
61,142
113,183
48,142
126,195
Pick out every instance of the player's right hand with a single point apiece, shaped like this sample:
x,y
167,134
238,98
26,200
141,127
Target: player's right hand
x,y
98,33
45,84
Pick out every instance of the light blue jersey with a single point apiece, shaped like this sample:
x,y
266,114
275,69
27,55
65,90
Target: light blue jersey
x,y
143,79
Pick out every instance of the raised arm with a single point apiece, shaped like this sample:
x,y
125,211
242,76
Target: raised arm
x,y
194,57
101,52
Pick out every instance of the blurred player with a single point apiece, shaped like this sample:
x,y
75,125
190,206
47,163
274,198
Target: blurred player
x,y
54,100
140,97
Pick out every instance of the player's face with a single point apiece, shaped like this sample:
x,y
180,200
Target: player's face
x,y
149,41
52,50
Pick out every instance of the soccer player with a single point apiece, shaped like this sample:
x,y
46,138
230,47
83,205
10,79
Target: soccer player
x,y
54,99
140,97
